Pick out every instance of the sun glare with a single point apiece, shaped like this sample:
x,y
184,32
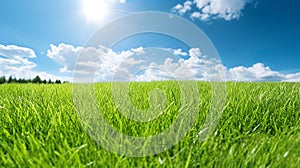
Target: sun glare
x,y
95,10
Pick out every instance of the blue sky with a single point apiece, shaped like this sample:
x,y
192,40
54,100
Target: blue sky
x,y
252,37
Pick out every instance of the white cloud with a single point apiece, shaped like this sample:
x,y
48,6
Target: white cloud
x,y
195,52
111,65
179,52
65,55
196,66
260,72
90,60
16,51
293,77
213,9
182,9
105,64
201,16
139,50
201,67
15,61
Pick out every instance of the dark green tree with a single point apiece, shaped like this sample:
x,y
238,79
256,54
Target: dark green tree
x,y
10,79
14,80
2,79
58,82
37,79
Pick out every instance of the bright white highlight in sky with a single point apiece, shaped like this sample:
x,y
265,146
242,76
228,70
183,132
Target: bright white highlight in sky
x,y
95,10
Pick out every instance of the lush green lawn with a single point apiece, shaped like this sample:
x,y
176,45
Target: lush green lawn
x,y
260,127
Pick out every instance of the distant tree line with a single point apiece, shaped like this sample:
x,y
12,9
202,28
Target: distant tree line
x,y
36,79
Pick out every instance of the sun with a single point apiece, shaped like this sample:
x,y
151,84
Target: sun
x,y
95,10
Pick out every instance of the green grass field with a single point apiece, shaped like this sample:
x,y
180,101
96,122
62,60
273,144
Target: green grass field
x,y
260,127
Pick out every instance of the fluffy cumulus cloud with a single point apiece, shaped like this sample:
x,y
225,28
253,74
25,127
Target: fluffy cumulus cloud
x,y
156,64
208,70
260,72
212,9
64,54
182,9
292,77
139,50
16,51
16,61
99,62
104,64
193,66
115,64
179,52
136,64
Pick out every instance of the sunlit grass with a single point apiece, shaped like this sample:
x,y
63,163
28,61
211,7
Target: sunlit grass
x,y
260,126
